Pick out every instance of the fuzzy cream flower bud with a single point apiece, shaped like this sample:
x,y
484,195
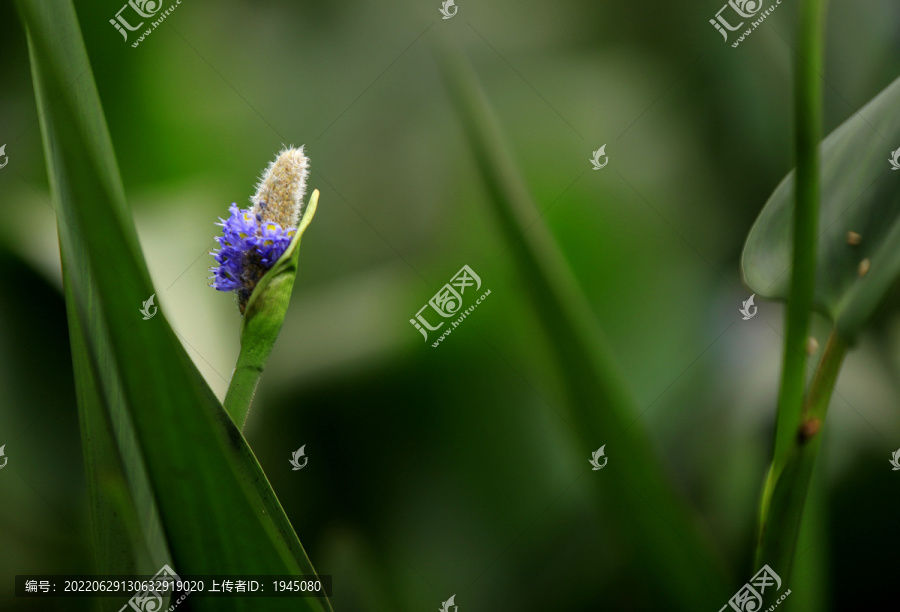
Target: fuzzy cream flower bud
x,y
281,189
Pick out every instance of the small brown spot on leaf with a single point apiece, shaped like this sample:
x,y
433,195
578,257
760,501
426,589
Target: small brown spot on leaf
x,y
853,238
808,429
812,346
864,266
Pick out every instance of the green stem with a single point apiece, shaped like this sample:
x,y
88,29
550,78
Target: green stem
x,y
808,135
784,493
783,509
244,381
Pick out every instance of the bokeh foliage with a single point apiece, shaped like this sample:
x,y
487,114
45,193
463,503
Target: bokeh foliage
x,y
449,470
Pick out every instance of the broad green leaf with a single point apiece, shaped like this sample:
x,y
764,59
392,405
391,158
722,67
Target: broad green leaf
x,y
859,193
679,557
216,508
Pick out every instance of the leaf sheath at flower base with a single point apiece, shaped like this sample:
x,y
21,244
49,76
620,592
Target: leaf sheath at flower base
x,y
263,318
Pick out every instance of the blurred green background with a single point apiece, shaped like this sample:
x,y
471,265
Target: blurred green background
x,y
449,470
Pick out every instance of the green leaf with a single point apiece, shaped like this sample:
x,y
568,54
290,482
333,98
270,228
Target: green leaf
x,y
599,402
122,547
859,194
263,318
216,508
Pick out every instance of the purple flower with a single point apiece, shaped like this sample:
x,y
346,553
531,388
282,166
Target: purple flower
x,y
248,248
272,242
253,240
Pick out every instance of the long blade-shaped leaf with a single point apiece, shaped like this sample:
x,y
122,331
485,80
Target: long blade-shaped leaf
x,y
121,548
211,493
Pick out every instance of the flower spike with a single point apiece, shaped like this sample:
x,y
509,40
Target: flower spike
x,y
254,239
